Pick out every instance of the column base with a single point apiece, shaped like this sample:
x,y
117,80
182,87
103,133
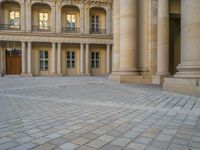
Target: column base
x,y
183,86
131,79
26,75
159,79
1,75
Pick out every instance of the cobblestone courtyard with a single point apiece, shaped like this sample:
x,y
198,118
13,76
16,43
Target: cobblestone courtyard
x,y
88,113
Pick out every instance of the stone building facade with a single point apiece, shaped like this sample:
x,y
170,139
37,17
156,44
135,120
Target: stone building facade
x,y
157,41
55,37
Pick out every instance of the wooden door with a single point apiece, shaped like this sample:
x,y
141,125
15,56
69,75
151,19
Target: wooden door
x,y
13,64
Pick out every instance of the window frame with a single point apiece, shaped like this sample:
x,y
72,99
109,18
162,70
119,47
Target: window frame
x,y
43,26
44,60
15,22
95,61
95,25
71,60
70,21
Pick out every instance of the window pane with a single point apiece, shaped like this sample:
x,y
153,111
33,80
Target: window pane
x,y
97,64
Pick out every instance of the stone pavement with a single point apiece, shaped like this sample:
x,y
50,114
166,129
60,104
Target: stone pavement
x,y
90,113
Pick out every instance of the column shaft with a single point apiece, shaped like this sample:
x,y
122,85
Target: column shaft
x,y
58,19
128,37
116,40
1,61
163,38
59,58
82,20
28,18
87,16
82,59
29,58
23,58
190,37
108,59
108,20
87,59
23,17
53,19
53,59
144,35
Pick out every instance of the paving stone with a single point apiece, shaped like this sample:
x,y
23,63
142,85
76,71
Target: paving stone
x,y
25,139
4,140
68,146
53,136
111,147
106,138
46,146
121,142
8,145
96,144
25,146
143,140
164,137
136,146
41,140
59,141
80,141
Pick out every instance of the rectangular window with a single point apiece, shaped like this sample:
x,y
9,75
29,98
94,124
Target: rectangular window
x,y
14,19
95,23
95,58
44,60
71,22
43,20
71,59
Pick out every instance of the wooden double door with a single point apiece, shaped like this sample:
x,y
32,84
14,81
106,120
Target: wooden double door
x,y
13,64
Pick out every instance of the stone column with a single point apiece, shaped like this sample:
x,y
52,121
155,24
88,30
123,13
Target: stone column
x,y
116,40
28,18
23,58
1,19
108,59
144,35
1,61
190,44
53,18
82,59
23,18
53,69
29,63
187,79
58,19
59,60
82,20
87,60
128,38
87,18
108,20
162,42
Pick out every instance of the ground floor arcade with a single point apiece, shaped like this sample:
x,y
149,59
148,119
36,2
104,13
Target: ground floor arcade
x,y
47,59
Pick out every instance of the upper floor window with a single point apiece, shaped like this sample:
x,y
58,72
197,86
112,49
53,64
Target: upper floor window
x,y
95,23
14,19
71,58
71,21
43,20
95,59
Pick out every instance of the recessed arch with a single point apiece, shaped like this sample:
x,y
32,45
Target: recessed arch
x,y
70,16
